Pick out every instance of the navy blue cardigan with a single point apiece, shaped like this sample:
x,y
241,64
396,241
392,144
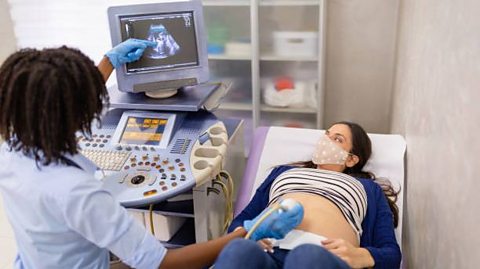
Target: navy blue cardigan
x,y
378,232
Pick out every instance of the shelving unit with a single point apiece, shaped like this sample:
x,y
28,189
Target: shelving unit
x,y
254,22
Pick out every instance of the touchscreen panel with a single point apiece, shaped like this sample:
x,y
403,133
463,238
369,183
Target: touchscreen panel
x,y
143,131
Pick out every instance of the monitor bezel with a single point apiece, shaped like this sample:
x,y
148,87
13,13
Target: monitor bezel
x,y
166,136
126,80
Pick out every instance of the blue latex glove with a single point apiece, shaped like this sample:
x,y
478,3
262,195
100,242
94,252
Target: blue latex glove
x,y
278,223
128,51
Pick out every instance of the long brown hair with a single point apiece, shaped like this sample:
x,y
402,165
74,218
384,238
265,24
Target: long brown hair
x,y
362,148
46,96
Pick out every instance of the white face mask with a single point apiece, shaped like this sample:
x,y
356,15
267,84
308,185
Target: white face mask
x,y
328,152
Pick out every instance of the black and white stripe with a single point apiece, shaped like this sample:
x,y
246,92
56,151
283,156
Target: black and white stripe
x,y
344,191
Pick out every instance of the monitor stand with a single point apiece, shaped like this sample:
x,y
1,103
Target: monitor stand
x,y
189,98
161,94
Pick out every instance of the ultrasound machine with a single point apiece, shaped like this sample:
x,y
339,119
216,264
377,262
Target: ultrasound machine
x,y
151,149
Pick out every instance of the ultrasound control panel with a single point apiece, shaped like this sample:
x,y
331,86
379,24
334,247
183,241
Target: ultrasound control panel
x,y
148,157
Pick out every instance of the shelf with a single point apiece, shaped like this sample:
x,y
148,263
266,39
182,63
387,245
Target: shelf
x,y
267,108
266,57
262,3
236,106
229,57
184,236
264,60
213,3
272,57
300,110
177,208
289,2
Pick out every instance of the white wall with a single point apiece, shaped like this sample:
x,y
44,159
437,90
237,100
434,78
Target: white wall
x,y
361,37
436,107
82,24
7,44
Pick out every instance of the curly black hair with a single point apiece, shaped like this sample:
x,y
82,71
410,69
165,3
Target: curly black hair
x,y
46,97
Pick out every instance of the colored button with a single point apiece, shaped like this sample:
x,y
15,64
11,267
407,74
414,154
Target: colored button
x,y
164,188
150,192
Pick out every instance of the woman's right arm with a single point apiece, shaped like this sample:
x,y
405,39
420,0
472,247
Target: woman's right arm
x,y
128,51
384,250
199,255
105,68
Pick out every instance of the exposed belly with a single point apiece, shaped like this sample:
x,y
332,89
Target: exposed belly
x,y
323,217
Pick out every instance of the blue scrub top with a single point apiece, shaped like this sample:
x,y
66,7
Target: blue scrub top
x,y
62,218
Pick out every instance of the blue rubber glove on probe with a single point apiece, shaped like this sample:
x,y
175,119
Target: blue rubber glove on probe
x,y
278,223
128,51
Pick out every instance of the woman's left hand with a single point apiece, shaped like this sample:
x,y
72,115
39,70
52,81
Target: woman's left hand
x,y
353,256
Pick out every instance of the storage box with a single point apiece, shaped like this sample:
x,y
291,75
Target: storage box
x,y
236,48
300,44
165,227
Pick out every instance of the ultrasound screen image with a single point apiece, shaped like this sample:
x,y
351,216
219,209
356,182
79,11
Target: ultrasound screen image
x,y
166,44
174,34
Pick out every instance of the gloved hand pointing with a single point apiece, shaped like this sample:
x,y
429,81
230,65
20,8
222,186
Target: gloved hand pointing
x,y
128,51
276,225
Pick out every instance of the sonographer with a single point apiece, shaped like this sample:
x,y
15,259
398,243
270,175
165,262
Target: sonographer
x,y
61,216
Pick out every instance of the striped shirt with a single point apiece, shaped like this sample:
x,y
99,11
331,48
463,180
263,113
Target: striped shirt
x,y
346,192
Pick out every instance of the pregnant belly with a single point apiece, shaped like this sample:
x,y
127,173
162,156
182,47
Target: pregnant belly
x,y
323,217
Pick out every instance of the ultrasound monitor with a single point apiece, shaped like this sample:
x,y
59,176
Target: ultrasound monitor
x,y
180,57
